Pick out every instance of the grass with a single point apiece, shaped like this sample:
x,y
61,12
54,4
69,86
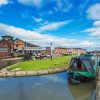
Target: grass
x,y
43,64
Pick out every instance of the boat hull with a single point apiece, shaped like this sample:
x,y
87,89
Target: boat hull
x,y
80,78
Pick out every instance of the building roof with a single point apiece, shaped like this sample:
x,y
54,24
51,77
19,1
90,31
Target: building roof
x,y
32,45
27,43
7,36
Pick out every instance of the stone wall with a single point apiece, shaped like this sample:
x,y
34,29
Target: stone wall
x,y
16,73
7,62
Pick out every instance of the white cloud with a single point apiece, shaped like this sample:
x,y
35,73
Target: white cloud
x,y
63,5
96,23
94,12
36,3
87,42
37,19
46,13
40,20
42,39
25,14
4,2
54,26
95,30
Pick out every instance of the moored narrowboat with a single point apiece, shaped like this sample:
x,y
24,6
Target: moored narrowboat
x,y
83,68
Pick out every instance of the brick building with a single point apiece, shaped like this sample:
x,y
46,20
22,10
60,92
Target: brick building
x,y
18,44
60,50
48,50
8,45
5,48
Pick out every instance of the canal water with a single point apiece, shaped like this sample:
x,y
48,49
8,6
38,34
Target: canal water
x,y
46,87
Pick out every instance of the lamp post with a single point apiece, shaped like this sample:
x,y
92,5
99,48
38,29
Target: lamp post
x,y
51,50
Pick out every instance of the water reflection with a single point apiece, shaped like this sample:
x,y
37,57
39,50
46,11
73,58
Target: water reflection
x,y
49,87
21,92
83,91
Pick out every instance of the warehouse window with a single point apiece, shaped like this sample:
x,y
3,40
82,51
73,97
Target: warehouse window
x,y
3,50
17,46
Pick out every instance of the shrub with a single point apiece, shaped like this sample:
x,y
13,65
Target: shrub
x,y
27,57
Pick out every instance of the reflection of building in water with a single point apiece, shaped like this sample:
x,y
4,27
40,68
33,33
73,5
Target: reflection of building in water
x,y
22,95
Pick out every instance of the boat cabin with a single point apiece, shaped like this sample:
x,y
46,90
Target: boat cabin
x,y
82,64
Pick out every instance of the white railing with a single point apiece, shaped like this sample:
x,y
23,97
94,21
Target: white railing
x,y
34,48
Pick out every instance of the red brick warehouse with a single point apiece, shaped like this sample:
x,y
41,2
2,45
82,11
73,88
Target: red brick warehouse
x,y
5,48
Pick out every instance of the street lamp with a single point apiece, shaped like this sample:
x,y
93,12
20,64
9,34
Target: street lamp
x,y
51,50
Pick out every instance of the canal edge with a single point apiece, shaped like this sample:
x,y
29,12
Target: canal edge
x,y
98,84
32,73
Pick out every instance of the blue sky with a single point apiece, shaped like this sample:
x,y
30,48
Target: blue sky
x,y
68,23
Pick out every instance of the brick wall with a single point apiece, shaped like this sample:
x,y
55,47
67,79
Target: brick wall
x,y
19,44
4,49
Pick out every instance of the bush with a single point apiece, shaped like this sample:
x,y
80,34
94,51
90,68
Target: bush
x,y
27,57
14,55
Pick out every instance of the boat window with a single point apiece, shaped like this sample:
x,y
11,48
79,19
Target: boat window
x,y
76,64
93,62
79,64
88,65
72,61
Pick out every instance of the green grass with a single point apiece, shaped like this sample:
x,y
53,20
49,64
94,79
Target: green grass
x,y
43,64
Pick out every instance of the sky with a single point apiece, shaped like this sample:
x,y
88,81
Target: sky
x,y
65,23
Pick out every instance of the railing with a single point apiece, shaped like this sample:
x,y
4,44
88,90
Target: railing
x,y
34,48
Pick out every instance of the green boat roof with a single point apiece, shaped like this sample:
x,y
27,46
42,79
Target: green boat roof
x,y
86,56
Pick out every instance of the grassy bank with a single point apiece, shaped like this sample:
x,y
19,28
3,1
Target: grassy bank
x,y
43,64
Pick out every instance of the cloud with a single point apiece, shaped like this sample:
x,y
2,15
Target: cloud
x,y
15,31
25,14
54,26
42,39
87,42
36,3
32,35
82,6
40,20
63,5
94,12
37,19
96,23
4,2
95,30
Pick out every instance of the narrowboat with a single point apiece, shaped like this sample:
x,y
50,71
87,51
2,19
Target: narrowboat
x,y
83,68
